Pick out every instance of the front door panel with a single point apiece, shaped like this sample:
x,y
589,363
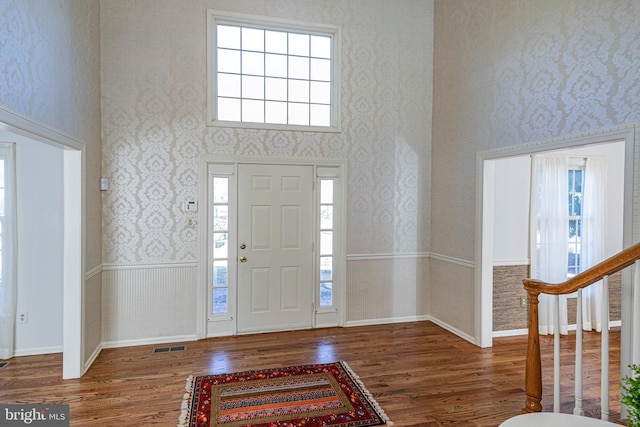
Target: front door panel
x,y
275,268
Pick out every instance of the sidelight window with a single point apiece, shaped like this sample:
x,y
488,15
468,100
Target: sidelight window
x,y
220,243
326,242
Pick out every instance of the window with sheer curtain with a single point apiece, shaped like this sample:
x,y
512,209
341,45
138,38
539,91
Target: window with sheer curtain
x,y
567,229
8,292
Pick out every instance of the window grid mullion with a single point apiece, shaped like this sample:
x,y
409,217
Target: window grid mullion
x,y
293,108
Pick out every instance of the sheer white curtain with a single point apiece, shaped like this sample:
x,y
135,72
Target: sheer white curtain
x,y
593,238
549,231
8,293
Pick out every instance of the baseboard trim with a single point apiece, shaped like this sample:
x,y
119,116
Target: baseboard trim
x,y
510,333
385,321
520,332
91,359
149,341
34,351
453,330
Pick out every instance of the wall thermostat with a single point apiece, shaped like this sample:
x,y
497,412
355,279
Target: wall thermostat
x,y
191,206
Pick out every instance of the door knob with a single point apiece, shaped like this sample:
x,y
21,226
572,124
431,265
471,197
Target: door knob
x,y
242,246
243,259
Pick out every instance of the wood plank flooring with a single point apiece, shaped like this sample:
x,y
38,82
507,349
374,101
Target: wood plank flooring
x,y
420,374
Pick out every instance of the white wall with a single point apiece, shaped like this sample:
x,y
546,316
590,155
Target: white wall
x,y
511,213
40,243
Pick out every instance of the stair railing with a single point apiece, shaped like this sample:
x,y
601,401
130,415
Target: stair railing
x,y
533,371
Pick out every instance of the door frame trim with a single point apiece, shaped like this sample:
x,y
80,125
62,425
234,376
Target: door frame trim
x,y
74,161
340,164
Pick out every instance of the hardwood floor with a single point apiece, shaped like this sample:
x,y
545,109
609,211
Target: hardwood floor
x,y
420,374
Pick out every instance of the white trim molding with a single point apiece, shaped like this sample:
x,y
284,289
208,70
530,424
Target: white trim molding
x,y
452,260
370,257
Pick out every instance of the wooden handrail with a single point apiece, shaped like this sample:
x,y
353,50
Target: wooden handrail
x,y
533,370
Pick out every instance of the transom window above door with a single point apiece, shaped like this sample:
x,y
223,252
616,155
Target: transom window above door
x,y
276,74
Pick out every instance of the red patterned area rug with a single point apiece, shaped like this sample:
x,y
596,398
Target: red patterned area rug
x,y
329,395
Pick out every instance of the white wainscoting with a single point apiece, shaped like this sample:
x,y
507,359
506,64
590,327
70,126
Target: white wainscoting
x,y
386,288
452,295
148,304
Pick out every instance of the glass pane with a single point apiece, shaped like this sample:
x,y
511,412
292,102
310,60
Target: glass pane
x,y
220,276
253,63
321,70
1,201
228,61
252,87
571,181
220,190
228,37
229,109
298,68
326,242
276,89
220,246
326,294
326,268
573,228
577,205
220,300
299,92
321,46
253,111
574,263
276,66
276,112
320,115
326,191
326,217
229,85
298,44
253,39
320,93
276,41
579,177
298,114
221,218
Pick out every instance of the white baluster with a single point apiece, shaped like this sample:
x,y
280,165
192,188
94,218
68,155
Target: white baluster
x,y
577,410
635,331
556,353
604,379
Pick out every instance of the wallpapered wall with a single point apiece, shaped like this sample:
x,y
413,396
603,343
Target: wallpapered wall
x,y
50,74
154,112
510,72
154,134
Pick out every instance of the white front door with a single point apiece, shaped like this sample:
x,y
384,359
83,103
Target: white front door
x,y
275,247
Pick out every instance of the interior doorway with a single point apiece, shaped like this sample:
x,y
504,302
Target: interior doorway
x,y
16,129
491,201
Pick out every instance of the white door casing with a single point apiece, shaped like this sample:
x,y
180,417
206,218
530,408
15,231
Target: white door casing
x,y
275,247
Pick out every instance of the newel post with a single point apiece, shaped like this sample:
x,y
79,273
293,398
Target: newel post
x,y
533,370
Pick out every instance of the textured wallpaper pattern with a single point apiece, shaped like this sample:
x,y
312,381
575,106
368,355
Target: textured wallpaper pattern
x,y
511,72
50,73
154,113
